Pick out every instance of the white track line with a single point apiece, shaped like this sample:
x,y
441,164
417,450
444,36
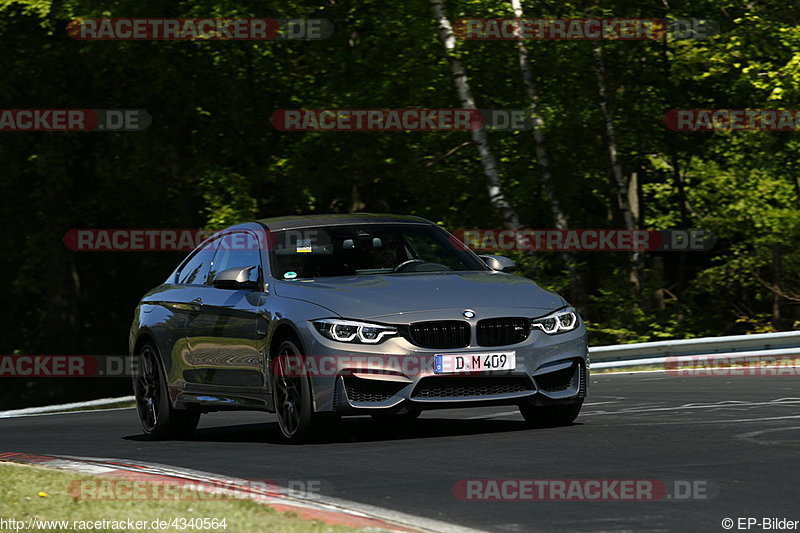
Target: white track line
x,y
84,411
64,407
315,500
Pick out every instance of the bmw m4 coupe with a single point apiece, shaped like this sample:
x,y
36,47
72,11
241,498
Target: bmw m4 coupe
x,y
318,317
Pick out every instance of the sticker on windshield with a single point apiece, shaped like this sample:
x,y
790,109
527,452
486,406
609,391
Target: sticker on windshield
x,y
303,246
290,275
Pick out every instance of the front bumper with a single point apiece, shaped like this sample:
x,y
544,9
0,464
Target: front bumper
x,y
396,374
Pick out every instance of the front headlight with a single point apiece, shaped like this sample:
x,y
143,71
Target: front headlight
x,y
350,331
558,322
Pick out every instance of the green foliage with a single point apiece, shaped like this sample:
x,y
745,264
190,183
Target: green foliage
x,y
211,157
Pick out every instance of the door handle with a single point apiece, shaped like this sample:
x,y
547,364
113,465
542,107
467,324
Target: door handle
x,y
196,304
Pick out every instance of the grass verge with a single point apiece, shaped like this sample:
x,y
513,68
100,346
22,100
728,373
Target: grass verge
x,y
43,494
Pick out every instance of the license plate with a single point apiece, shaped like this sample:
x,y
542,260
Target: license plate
x,y
473,362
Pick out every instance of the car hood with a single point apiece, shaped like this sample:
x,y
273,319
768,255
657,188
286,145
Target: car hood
x,y
377,296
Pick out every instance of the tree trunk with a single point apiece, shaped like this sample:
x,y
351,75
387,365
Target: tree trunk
x,y
560,219
611,141
677,177
620,180
494,186
559,216
777,281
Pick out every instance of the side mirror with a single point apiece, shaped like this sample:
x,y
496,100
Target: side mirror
x,y
235,278
499,263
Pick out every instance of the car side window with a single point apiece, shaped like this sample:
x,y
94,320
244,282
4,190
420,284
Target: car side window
x,y
237,250
195,271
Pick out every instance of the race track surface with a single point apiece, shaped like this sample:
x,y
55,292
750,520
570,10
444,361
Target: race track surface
x,y
738,436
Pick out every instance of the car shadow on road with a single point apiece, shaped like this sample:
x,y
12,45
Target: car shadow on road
x,y
361,429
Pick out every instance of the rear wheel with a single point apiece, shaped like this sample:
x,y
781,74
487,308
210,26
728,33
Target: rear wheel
x,y
157,417
547,416
291,393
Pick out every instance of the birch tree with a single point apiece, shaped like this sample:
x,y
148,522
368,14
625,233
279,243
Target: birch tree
x,y
491,170
621,182
542,160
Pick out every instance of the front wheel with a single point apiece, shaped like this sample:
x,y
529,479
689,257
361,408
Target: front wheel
x,y
291,394
548,416
157,417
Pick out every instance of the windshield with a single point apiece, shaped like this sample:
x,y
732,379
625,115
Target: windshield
x,y
367,249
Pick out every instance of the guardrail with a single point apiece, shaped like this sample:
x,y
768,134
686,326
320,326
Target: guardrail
x,y
735,346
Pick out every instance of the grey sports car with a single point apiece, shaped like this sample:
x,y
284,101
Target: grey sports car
x,y
318,317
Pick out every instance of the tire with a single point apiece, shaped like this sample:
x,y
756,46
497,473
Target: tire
x,y
548,416
157,417
407,417
292,398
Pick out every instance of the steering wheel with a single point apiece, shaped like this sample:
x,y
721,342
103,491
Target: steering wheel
x,y
404,264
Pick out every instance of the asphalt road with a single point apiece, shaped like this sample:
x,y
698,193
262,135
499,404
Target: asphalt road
x,y
737,437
